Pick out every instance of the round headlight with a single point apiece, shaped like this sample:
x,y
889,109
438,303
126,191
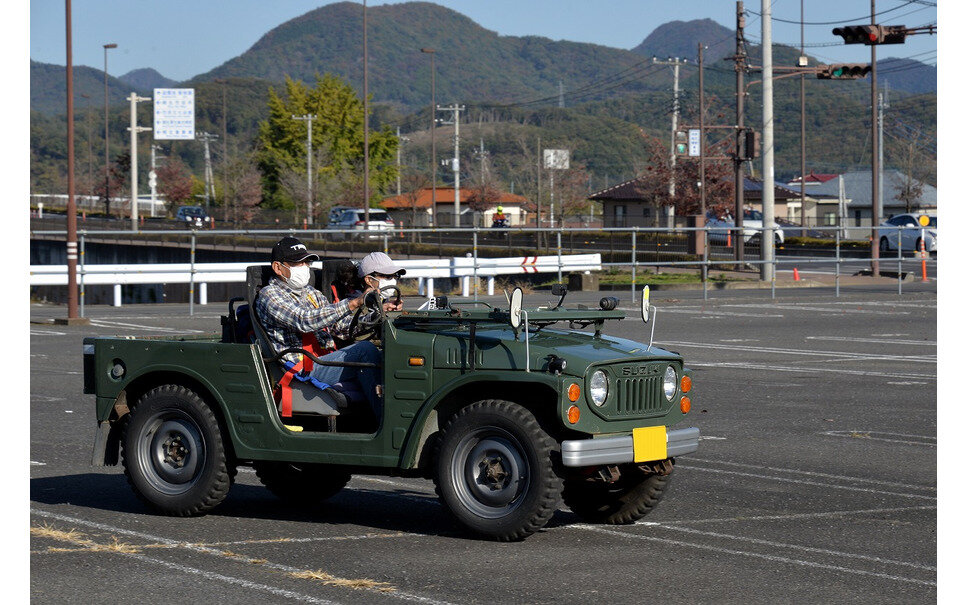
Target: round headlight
x,y
669,382
598,388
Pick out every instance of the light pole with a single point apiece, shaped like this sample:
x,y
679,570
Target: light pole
x,y
107,160
308,118
366,130
433,137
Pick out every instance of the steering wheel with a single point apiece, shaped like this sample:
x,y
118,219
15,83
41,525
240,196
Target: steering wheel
x,y
365,327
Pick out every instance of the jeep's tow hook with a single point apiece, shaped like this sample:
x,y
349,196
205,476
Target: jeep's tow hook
x,y
658,467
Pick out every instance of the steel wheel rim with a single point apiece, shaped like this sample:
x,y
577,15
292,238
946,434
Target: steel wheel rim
x,y
171,452
490,472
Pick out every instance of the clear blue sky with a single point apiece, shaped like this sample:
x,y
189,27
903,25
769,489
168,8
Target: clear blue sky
x,y
181,38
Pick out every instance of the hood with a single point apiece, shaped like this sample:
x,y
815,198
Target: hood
x,y
498,349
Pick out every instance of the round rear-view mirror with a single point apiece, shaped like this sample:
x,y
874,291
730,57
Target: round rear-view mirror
x,y
644,309
517,297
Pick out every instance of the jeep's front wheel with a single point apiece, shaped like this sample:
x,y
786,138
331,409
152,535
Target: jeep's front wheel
x,y
301,484
173,453
495,472
632,496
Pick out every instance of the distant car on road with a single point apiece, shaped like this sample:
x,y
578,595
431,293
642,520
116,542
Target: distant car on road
x,y
910,229
195,216
752,228
355,218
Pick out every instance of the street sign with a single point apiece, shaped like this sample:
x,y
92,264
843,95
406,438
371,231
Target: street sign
x,y
174,113
694,142
556,159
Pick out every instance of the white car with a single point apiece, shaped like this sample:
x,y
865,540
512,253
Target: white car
x,y
752,228
910,229
354,218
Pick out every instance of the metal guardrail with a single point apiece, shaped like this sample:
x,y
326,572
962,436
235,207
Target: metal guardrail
x,y
674,253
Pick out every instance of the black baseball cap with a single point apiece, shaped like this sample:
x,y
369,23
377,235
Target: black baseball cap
x,y
291,250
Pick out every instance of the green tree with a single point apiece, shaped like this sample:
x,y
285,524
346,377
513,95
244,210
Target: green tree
x,y
337,136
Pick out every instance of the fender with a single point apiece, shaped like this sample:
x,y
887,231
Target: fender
x,y
418,434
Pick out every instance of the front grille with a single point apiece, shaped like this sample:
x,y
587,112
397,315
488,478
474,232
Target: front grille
x,y
638,396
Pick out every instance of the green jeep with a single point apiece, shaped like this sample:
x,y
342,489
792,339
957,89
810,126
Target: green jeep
x,y
506,412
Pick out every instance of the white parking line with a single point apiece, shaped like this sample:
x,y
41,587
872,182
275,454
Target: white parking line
x,y
808,549
932,359
405,596
773,558
808,370
925,343
796,471
126,326
826,485
791,516
869,435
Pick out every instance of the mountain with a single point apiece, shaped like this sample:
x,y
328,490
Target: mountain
x,y
906,75
682,38
48,86
146,79
471,62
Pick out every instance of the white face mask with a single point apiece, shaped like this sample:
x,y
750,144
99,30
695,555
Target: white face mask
x,y
387,282
298,277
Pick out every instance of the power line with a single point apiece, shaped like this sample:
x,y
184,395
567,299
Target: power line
x,y
840,21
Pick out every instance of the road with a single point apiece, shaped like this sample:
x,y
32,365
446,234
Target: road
x,y
815,482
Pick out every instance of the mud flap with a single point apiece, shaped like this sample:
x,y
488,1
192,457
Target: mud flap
x,y
104,455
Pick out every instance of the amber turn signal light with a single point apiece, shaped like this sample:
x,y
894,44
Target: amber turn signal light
x,y
416,361
685,384
685,405
574,392
574,414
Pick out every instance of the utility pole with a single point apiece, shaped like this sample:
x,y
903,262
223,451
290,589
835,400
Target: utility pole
x,y
802,62
455,163
702,137
674,63
401,140
433,135
135,129
366,129
766,238
308,118
72,297
205,138
875,155
739,181
561,95
882,104
153,180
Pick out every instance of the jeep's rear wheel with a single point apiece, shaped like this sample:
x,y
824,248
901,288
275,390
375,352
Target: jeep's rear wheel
x,y
173,453
636,492
301,484
495,472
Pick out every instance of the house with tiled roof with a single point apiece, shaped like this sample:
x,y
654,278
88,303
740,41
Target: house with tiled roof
x,y
416,208
624,205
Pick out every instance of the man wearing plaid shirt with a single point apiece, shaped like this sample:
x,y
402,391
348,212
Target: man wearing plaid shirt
x,y
289,307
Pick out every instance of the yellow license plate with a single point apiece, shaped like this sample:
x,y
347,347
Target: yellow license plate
x,y
649,443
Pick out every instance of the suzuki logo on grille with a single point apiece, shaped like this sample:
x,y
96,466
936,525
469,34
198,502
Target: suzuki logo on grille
x,y
640,370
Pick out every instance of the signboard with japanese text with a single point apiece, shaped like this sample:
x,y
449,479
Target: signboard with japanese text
x,y
174,113
693,142
556,159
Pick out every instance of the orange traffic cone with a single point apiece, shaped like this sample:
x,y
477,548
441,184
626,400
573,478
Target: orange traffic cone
x,y
796,274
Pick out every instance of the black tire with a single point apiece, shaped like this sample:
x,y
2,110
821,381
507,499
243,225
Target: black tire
x,y
885,245
627,500
301,484
494,470
173,453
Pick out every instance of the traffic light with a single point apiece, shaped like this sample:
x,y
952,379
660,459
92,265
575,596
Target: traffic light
x,y
682,143
844,71
750,145
871,34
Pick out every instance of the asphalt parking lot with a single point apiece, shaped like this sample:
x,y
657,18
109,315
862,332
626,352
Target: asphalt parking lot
x,y
815,481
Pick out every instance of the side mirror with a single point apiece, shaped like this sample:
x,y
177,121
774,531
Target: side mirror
x,y
644,307
559,290
517,297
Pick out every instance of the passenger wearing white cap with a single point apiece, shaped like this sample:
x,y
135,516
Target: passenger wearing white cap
x,y
378,271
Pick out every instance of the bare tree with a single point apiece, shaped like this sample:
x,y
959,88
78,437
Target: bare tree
x,y
914,163
243,188
411,184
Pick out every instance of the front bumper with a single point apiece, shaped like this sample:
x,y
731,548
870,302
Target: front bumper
x,y
622,450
